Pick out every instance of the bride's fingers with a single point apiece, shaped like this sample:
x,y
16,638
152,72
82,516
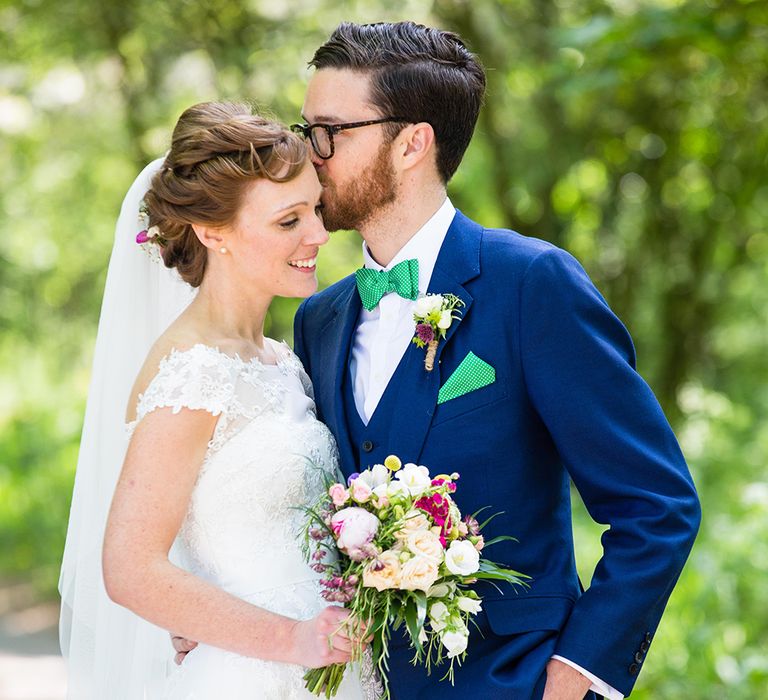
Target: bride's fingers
x,y
182,645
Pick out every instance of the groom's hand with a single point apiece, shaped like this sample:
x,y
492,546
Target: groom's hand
x,y
564,682
182,647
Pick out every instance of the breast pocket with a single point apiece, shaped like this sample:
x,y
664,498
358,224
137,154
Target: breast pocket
x,y
469,403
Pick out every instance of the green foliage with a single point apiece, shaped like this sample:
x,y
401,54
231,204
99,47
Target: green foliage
x,y
633,133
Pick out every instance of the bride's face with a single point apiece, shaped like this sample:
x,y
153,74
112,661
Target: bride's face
x,y
274,241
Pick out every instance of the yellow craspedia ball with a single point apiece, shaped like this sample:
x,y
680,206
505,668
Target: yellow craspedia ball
x,y
393,463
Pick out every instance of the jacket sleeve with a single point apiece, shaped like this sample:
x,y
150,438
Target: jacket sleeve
x,y
579,367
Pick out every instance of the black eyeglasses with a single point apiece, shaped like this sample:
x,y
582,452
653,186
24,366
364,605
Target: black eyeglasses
x,y
321,135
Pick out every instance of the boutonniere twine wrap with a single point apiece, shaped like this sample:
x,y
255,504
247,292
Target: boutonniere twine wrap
x,y
434,315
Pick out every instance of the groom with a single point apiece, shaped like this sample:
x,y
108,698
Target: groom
x,y
534,386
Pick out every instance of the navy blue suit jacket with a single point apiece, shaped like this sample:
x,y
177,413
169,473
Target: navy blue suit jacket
x,y
567,402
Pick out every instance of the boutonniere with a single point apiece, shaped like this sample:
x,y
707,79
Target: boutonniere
x,y
434,315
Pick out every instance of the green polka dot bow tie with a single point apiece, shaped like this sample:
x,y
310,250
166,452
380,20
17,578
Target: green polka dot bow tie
x,y
403,279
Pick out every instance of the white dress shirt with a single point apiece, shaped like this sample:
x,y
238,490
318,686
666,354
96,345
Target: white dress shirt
x,y
384,334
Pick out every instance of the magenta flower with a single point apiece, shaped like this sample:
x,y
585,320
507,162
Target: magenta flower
x,y
141,237
425,333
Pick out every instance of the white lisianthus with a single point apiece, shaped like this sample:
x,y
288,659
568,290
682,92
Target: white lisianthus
x,y
397,489
454,642
441,590
381,491
445,320
427,304
462,558
376,476
415,478
438,616
469,605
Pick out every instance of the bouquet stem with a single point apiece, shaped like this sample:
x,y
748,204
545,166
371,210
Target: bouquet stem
x,y
429,360
325,681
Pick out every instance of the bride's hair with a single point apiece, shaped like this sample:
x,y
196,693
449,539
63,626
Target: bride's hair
x,y
217,149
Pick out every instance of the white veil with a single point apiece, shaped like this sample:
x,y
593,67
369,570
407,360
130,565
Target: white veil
x,y
111,652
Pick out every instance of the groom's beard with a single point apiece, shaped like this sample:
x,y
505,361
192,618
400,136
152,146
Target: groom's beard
x,y
362,197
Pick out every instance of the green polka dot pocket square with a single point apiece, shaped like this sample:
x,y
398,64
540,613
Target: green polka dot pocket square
x,y
471,374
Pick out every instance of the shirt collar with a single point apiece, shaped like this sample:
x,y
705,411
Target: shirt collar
x,y
424,245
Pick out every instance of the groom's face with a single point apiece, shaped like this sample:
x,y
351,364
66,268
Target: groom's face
x,y
359,178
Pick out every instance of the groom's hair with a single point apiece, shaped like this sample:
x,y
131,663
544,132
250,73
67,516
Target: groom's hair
x,y
417,72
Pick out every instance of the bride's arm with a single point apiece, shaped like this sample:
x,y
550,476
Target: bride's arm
x,y
150,502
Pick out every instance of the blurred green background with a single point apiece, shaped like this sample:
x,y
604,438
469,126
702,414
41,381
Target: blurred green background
x,y
633,133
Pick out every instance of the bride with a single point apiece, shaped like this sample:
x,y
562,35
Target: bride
x,y
201,537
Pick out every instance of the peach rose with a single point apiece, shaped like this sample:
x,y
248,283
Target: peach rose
x,y
414,521
383,572
418,573
425,543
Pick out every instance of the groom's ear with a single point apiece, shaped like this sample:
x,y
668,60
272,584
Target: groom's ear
x,y
207,235
415,143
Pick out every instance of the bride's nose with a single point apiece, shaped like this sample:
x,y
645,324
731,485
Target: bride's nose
x,y
316,235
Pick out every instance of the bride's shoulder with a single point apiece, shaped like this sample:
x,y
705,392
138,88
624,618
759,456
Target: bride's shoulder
x,y
181,372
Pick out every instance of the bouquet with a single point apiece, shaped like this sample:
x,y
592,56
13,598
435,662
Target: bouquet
x,y
394,548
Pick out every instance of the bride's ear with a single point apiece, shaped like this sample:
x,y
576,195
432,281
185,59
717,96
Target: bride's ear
x,y
210,237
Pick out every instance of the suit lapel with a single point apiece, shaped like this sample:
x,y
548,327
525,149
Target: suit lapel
x,y
337,336
416,393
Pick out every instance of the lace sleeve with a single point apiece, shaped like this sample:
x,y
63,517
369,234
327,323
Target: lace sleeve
x,y
194,378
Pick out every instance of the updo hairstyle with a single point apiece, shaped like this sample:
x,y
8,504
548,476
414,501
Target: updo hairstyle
x,y
217,149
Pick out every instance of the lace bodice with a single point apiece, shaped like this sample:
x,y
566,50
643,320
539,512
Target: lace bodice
x,y
267,458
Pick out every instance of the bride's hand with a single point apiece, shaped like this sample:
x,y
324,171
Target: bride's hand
x,y
324,639
182,647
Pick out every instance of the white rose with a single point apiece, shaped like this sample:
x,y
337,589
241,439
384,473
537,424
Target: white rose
x,y
462,558
469,605
353,527
445,320
415,478
426,304
438,616
454,642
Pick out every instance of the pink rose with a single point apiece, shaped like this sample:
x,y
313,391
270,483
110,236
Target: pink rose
x,y
339,495
360,490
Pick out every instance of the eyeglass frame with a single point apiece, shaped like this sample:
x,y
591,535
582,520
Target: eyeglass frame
x,y
306,130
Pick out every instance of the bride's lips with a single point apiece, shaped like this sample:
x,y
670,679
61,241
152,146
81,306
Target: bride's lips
x,y
304,264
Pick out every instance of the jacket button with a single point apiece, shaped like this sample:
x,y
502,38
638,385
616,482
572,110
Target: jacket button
x,y
633,669
367,445
644,646
639,657
648,637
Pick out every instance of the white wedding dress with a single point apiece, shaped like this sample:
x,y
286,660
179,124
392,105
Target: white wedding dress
x,y
268,456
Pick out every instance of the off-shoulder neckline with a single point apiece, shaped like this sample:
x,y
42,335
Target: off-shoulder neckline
x,y
235,359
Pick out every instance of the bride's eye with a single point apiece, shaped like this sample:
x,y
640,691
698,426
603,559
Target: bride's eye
x,y
290,223
319,210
